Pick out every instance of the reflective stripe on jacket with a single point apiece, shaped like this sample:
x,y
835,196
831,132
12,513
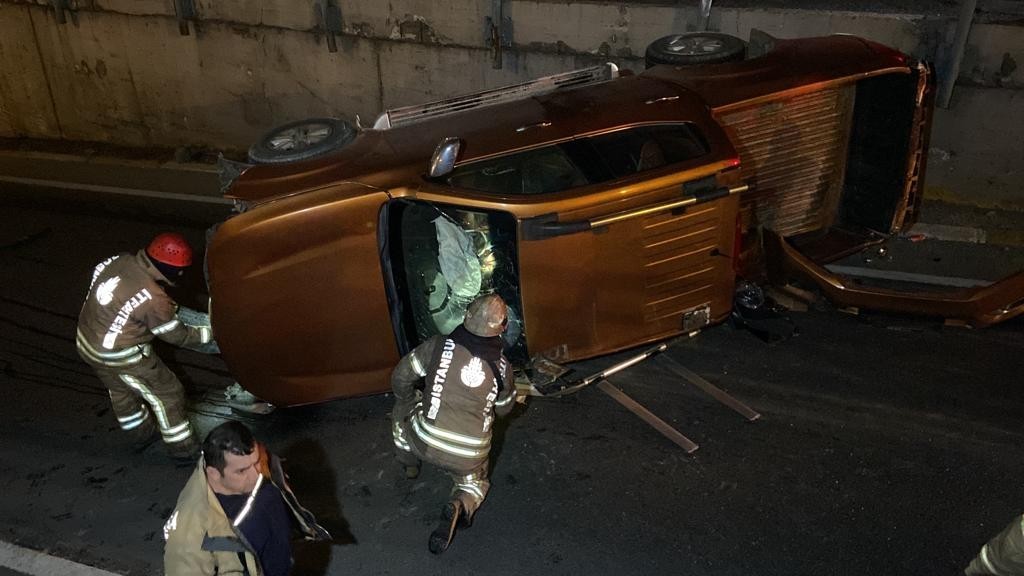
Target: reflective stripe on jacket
x,y
452,422
200,540
125,308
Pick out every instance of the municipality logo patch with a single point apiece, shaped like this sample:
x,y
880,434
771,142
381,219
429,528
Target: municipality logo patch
x,y
473,373
105,291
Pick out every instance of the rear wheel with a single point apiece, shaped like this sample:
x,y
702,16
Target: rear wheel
x,y
694,48
301,140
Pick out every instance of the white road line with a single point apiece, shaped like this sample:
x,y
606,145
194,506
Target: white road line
x,y
39,564
114,190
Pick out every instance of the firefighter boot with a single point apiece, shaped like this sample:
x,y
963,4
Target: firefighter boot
x,y
442,536
185,451
143,436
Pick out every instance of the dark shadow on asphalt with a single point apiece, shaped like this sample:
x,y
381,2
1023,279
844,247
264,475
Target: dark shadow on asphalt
x,y
498,434
315,483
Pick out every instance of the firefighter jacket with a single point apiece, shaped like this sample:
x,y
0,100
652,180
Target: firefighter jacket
x,y
199,538
1003,555
450,420
126,308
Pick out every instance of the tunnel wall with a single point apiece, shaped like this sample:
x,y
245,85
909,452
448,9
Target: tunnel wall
x,y
121,71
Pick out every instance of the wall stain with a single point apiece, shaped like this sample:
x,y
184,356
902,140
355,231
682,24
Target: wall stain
x,y
364,29
417,29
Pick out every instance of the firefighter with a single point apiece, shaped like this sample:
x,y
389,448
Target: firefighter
x,y
1003,555
125,308
447,393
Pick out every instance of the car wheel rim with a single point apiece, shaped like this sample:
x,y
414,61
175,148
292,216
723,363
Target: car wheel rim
x,y
299,137
694,45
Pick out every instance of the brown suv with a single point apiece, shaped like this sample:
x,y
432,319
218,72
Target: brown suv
x,y
609,210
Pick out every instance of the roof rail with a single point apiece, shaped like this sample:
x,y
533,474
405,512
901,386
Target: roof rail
x,y
420,112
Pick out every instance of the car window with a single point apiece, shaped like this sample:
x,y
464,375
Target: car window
x,y
583,161
535,172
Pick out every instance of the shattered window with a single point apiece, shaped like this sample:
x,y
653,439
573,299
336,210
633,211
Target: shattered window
x,y
583,161
444,258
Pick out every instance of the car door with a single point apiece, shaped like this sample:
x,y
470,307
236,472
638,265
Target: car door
x,y
624,237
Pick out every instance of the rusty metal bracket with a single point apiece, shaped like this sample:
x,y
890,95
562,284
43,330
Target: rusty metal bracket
x,y
184,10
328,19
497,32
59,7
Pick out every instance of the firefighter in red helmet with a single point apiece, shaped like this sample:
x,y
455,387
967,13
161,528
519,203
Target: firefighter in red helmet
x,y
125,308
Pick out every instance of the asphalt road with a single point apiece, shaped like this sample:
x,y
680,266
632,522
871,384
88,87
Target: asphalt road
x,y
886,445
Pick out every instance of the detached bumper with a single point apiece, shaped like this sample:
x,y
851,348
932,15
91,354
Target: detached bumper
x,y
976,307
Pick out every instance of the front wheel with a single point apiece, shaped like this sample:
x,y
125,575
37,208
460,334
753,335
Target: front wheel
x,y
301,140
694,48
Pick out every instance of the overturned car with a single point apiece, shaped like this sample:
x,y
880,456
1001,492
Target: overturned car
x,y
608,209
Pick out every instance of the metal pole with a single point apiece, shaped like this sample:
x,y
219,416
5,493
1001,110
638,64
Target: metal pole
x,y
576,386
952,69
705,14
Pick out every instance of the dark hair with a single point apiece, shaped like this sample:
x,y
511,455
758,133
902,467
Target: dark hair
x,y
231,436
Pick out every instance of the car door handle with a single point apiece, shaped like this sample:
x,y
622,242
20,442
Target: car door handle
x,y
547,226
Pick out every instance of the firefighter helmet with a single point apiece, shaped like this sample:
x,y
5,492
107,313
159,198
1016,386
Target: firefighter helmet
x,y
170,248
486,316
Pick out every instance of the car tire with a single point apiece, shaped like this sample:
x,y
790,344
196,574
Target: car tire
x,y
694,48
301,140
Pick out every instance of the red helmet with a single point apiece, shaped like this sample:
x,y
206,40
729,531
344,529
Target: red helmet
x,y
172,249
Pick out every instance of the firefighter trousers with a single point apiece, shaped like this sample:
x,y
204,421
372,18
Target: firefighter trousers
x,y
1003,555
468,486
145,391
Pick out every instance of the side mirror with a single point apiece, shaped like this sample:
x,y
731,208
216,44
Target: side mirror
x,y
443,161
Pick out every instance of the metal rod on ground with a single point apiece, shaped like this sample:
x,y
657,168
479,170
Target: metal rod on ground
x,y
647,416
714,391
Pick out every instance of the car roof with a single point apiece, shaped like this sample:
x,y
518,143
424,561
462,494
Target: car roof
x,y
398,156
552,117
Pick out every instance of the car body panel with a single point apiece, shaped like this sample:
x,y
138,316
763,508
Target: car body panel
x,y
589,293
312,323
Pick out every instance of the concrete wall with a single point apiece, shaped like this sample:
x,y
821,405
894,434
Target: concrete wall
x,y
120,71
